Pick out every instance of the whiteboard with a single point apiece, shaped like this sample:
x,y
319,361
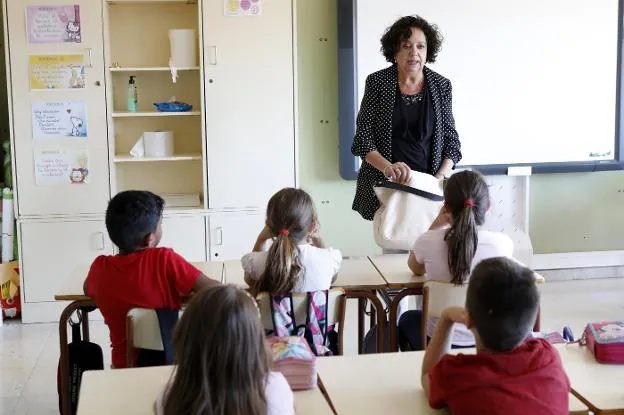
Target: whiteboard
x,y
534,81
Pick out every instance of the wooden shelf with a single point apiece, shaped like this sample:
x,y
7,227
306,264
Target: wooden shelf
x,y
128,114
178,157
152,69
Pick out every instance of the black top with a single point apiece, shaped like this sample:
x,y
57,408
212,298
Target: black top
x,y
412,129
373,130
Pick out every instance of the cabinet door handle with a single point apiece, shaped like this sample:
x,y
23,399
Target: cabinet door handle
x,y
212,55
219,236
98,241
89,59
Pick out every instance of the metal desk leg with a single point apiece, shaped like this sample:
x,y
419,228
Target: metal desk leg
x,y
85,325
394,310
362,296
361,309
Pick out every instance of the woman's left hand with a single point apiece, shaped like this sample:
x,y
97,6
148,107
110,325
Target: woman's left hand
x,y
398,172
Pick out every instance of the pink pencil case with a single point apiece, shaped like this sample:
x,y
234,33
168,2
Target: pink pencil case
x,y
606,341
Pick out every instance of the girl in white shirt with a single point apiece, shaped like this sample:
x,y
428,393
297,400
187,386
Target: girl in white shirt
x,y
222,361
297,260
451,248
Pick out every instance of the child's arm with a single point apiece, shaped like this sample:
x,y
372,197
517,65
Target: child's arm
x,y
264,235
250,280
203,283
84,287
416,267
317,241
441,341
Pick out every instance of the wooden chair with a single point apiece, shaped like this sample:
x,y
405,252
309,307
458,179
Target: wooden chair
x,y
437,296
142,332
336,303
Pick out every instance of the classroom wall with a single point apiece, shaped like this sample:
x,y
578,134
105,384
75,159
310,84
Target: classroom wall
x,y
569,212
317,81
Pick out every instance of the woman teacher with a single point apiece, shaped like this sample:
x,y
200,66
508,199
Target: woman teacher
x,y
406,119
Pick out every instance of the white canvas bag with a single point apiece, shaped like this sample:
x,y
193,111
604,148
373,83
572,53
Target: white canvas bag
x,y
406,211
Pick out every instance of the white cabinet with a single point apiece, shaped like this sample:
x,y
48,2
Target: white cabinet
x,y
81,157
232,235
235,149
187,236
249,104
52,250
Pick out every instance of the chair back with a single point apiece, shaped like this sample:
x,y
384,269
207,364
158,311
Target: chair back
x,y
144,330
336,302
438,295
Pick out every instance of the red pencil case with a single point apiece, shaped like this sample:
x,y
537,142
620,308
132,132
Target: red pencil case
x,y
606,341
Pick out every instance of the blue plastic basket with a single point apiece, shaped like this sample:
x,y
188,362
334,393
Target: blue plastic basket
x,y
172,106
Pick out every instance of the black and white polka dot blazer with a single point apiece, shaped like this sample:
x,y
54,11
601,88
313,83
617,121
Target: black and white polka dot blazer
x,y
374,130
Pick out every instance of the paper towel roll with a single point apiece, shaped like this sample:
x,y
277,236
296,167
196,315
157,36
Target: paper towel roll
x,y
183,48
7,225
158,143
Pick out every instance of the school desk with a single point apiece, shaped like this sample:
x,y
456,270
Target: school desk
x,y
133,391
361,280
72,290
599,386
387,383
393,268
357,273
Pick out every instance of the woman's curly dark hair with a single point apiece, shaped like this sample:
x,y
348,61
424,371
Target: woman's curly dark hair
x,y
401,30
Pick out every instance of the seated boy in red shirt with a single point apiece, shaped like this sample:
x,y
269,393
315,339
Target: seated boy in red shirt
x,y
509,374
142,275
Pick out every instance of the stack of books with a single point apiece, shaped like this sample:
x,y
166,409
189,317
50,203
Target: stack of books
x,y
293,358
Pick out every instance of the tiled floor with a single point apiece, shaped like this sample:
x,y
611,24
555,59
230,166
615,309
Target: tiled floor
x,y
29,353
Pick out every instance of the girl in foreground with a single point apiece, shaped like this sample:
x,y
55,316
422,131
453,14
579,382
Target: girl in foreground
x,y
223,365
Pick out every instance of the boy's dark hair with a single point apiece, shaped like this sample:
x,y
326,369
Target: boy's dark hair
x,y
502,301
131,216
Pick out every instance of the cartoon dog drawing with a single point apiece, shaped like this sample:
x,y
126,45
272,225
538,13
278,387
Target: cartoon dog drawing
x,y
76,126
72,32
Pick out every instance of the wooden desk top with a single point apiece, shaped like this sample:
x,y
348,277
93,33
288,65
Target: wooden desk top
x,y
375,382
394,270
600,385
71,289
116,392
359,273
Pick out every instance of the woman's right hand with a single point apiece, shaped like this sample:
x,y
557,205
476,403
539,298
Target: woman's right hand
x,y
398,172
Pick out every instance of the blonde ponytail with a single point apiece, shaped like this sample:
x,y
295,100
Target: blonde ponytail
x,y
283,269
290,217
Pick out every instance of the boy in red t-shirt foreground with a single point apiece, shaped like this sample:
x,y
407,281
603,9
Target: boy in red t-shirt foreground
x,y
142,275
509,374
